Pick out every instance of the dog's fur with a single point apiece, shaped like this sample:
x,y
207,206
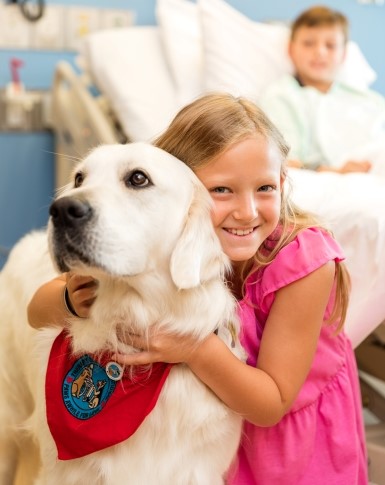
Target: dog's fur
x,y
148,239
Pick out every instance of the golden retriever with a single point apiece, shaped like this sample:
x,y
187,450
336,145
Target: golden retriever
x,y
138,220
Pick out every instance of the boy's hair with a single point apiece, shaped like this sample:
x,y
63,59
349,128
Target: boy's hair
x,y
205,129
319,16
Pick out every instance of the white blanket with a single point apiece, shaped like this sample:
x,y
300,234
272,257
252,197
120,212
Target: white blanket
x,y
353,206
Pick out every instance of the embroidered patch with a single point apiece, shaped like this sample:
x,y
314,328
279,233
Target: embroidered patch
x,y
86,388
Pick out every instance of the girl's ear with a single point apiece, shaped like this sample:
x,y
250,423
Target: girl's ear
x,y
198,255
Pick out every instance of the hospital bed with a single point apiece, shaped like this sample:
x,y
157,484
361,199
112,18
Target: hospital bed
x,y
132,81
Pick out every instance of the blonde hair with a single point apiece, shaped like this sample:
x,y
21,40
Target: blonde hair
x,y
319,16
206,128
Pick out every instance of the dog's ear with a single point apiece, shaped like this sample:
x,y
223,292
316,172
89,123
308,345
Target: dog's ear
x,y
198,255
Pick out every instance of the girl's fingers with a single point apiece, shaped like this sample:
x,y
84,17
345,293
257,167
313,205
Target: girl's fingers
x,y
137,341
77,282
82,292
85,296
139,358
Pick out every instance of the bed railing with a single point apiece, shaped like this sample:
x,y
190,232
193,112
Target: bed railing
x,y
79,122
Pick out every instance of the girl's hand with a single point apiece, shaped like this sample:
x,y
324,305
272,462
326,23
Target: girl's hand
x,y
159,346
81,293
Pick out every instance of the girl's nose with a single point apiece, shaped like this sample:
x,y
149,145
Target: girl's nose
x,y
246,209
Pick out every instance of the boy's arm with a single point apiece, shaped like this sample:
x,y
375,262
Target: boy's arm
x,y
350,166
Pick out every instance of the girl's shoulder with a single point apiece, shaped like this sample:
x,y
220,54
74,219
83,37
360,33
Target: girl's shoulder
x,y
310,249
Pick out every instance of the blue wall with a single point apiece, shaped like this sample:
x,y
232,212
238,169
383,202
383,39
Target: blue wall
x,y
26,185
27,195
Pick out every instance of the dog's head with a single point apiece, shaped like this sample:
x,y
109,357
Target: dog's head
x,y
133,209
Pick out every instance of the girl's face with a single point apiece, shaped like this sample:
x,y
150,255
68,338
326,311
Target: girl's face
x,y
245,184
317,53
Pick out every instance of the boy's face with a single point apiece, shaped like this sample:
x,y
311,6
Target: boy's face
x,y
317,53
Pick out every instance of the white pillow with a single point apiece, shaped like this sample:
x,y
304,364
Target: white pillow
x,y
356,71
129,67
182,40
241,56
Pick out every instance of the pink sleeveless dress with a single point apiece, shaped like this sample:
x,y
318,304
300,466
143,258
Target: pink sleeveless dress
x,y
321,439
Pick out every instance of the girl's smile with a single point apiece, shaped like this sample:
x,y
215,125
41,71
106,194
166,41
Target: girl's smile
x,y
245,184
240,232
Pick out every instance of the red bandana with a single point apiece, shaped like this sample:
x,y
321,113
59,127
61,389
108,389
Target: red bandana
x,y
88,409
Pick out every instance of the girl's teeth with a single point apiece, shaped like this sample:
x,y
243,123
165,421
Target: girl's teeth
x,y
240,232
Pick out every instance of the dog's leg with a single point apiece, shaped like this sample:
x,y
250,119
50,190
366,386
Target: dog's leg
x,y
28,266
8,461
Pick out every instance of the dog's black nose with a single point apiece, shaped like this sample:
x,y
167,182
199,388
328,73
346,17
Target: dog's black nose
x,y
69,211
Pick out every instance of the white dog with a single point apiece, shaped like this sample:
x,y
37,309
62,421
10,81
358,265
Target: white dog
x,y
137,220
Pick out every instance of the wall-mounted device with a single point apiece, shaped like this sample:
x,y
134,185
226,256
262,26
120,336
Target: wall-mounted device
x,y
32,10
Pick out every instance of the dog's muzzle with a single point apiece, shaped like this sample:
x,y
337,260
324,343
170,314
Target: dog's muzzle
x,y
70,238
70,212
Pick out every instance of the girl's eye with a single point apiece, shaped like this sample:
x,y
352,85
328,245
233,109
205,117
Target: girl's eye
x,y
137,179
266,188
220,190
79,177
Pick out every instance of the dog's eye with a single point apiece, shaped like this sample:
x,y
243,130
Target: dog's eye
x,y
79,177
137,179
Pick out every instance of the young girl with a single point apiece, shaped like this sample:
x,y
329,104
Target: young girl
x,y
298,391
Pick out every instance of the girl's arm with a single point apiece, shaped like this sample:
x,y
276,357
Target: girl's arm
x,y
262,395
47,306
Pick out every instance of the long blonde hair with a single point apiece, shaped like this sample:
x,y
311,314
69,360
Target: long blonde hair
x,y
210,125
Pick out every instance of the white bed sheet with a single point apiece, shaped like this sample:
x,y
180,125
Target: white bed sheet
x,y
353,206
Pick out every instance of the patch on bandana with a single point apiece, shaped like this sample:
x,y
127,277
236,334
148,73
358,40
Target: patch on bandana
x,y
86,388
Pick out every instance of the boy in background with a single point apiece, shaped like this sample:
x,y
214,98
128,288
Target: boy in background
x,y
330,126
